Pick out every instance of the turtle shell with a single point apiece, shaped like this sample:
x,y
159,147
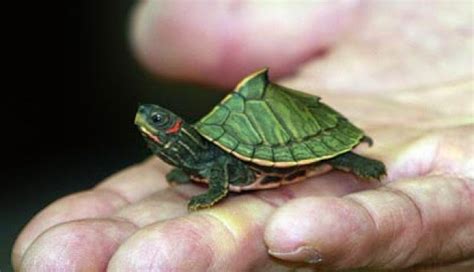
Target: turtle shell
x,y
271,125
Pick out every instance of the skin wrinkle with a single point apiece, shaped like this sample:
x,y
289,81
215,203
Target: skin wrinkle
x,y
237,242
431,256
269,200
135,222
265,200
115,239
114,192
437,252
224,225
368,214
210,250
125,220
401,258
408,199
466,195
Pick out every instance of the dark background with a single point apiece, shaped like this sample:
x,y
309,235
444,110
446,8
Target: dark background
x,y
69,99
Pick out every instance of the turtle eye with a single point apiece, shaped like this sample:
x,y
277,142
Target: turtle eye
x,y
157,118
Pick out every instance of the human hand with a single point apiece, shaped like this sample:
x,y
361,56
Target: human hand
x,y
133,221
422,213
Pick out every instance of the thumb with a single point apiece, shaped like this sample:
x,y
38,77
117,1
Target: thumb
x,y
220,42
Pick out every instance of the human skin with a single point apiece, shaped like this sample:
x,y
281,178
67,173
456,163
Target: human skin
x,y
422,213
133,221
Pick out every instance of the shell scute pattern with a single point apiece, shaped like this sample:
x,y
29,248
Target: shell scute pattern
x,y
271,125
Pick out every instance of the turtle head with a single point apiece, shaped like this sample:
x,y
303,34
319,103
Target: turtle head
x,y
158,125
168,136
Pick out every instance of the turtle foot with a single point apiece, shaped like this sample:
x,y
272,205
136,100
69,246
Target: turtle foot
x,y
204,201
372,170
361,166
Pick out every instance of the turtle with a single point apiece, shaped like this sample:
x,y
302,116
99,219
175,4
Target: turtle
x,y
260,136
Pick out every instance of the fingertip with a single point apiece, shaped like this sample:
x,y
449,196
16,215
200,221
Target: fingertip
x,y
173,245
85,245
87,204
313,230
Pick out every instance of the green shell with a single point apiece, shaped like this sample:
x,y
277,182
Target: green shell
x,y
271,125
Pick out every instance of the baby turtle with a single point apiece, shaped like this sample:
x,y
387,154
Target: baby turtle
x,y
260,136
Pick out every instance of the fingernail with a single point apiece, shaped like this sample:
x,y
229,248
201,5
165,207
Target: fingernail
x,y
306,254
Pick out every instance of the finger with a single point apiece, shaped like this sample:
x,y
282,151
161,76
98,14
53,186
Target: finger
x,y
88,244
128,186
219,44
202,241
405,223
88,204
213,239
84,245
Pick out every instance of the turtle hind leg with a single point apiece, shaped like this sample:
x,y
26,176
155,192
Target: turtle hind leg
x,y
361,166
218,189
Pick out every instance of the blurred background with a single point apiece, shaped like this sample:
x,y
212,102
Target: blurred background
x,y
70,107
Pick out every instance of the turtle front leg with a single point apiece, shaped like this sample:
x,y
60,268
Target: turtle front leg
x,y
361,166
218,188
177,176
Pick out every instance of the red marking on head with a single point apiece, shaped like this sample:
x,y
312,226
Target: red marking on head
x,y
176,127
